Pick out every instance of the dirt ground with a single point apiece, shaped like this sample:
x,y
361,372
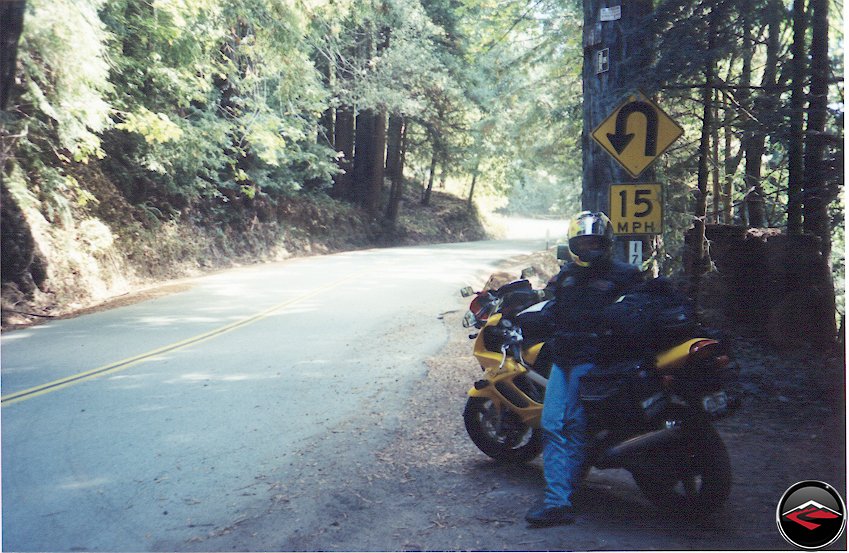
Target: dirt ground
x,y
410,479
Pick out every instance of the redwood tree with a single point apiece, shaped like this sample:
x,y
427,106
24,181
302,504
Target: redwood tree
x,y
796,149
12,17
816,193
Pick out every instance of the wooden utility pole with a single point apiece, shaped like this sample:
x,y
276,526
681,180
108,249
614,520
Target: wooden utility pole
x,y
617,43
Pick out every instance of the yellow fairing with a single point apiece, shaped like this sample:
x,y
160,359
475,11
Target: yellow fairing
x,y
676,357
492,359
501,377
530,415
532,353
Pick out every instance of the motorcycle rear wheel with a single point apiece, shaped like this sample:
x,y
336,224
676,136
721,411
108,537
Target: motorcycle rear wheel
x,y
696,480
505,438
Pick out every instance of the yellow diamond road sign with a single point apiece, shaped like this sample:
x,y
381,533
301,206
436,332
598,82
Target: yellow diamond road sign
x,y
636,133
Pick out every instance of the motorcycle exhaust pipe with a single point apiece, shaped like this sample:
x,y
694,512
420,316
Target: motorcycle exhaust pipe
x,y
642,442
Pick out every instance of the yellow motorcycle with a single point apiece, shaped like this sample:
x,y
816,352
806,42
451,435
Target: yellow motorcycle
x,y
651,415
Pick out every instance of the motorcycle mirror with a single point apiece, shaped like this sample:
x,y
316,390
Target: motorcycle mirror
x,y
528,272
467,291
563,252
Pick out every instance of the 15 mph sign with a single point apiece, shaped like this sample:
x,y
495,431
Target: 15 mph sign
x,y
636,208
636,133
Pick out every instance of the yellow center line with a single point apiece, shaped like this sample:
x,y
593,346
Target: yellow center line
x,y
111,368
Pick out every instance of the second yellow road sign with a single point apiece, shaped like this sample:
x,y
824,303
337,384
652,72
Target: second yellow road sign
x,y
636,208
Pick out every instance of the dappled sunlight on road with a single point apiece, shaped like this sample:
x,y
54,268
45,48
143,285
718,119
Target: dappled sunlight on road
x,y
126,381
84,484
174,320
150,408
19,336
208,377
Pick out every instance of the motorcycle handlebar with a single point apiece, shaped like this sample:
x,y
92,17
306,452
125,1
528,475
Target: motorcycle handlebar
x,y
516,349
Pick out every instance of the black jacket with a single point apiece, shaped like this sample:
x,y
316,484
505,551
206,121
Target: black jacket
x,y
580,296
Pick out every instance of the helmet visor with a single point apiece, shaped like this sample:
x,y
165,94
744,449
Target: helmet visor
x,y
589,246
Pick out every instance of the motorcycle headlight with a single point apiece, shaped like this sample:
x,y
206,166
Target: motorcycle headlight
x,y
469,320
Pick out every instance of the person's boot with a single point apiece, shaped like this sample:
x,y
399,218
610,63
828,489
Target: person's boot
x,y
541,516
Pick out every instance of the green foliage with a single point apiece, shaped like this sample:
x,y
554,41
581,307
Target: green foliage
x,y
235,92
201,98
154,127
529,57
63,56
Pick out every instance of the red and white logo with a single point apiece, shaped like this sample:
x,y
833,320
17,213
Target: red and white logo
x,y
811,515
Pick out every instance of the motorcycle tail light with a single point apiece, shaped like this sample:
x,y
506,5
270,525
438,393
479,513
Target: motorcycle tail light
x,y
701,346
709,353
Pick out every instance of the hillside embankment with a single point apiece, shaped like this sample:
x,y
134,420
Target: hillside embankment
x,y
85,244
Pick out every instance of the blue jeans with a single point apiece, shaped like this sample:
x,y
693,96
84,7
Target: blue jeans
x,y
564,425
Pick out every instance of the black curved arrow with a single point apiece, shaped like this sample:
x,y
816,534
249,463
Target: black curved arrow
x,y
621,139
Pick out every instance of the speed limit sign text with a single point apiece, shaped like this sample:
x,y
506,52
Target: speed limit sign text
x,y
636,208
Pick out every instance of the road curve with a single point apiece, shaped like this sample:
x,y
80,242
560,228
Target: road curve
x,y
145,424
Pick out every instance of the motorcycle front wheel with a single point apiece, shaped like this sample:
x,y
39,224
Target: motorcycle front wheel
x,y
694,480
500,433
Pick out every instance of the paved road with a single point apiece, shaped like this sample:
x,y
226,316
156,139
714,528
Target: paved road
x,y
142,425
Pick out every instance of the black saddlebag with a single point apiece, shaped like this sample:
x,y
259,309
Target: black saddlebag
x,y
654,316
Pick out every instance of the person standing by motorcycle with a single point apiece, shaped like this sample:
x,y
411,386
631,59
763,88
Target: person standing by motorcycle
x,y
591,281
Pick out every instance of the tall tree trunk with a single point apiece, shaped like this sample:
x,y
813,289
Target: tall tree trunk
x,y
715,173
796,150
363,136
394,165
344,130
12,18
326,128
732,163
343,183
393,145
434,158
403,161
363,157
745,98
472,188
699,252
443,175
376,166
756,131
325,132
817,196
